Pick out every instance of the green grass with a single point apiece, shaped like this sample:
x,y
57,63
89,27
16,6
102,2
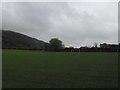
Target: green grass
x,y
35,69
0,68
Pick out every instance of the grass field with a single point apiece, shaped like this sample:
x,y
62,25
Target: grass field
x,y
35,69
0,68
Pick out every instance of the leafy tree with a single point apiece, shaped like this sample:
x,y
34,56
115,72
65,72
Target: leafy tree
x,y
55,44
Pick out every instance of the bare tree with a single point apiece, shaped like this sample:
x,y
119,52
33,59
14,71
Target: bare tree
x,y
95,45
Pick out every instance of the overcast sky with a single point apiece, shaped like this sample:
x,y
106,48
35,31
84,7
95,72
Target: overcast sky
x,y
76,24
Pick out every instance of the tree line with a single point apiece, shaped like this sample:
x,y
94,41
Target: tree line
x,y
14,40
56,45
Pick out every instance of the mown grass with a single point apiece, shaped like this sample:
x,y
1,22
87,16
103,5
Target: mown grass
x,y
0,68
35,69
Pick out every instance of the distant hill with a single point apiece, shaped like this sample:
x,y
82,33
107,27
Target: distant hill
x,y
15,40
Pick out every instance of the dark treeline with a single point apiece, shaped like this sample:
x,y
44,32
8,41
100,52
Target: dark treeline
x,y
103,48
14,40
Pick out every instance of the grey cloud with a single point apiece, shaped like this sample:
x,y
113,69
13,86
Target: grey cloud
x,y
74,23
119,22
